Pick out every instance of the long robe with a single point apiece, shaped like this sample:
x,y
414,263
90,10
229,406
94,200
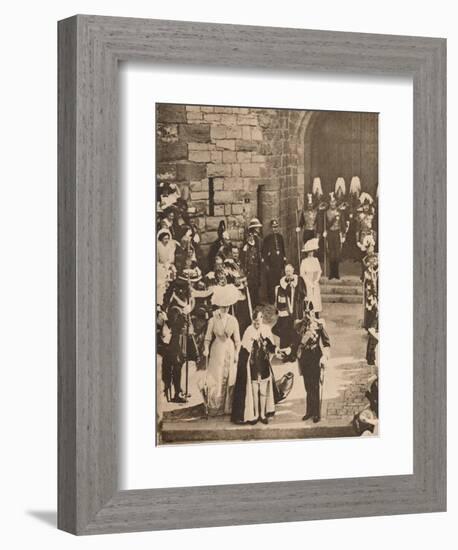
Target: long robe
x,y
243,402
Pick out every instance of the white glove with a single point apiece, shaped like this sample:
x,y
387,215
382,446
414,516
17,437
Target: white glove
x,y
298,229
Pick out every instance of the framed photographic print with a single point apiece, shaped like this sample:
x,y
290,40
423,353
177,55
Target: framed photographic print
x,y
251,274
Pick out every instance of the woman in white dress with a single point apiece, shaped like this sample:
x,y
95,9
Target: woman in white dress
x,y
310,272
221,346
165,262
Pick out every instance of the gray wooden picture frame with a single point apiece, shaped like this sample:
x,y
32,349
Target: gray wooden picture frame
x,y
90,48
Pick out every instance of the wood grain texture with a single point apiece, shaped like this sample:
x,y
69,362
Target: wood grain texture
x,y
90,48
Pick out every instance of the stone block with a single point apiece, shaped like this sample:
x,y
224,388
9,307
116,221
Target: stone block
x,y
246,132
246,145
227,209
229,156
212,118
191,172
200,156
237,209
225,144
229,120
233,184
248,120
194,117
234,132
170,113
250,170
207,109
218,132
258,158
193,146
215,170
199,195
220,210
196,186
224,197
243,157
193,108
217,156
218,184
224,110
170,151
256,134
236,170
194,132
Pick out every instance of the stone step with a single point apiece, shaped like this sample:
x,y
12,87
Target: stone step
x,y
180,432
343,289
341,298
352,280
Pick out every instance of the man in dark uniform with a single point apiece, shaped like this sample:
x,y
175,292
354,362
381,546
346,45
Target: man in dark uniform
x,y
250,259
313,354
308,220
274,259
221,247
333,233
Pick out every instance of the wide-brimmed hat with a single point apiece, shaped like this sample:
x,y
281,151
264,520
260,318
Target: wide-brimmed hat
x,y
311,244
274,223
254,222
191,274
225,296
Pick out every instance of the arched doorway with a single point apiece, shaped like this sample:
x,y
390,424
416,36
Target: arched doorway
x,y
341,144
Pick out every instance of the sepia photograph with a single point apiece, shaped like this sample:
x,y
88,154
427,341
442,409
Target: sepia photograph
x,y
266,274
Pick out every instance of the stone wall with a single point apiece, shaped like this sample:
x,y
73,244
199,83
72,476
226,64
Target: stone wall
x,y
258,161
249,153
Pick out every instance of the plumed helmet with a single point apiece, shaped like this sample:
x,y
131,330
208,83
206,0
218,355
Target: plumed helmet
x,y
317,190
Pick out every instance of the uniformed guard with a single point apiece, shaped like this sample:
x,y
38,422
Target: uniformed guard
x,y
366,215
274,258
308,220
333,232
250,259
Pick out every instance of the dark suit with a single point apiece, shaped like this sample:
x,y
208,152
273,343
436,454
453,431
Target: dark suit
x,y
309,355
274,258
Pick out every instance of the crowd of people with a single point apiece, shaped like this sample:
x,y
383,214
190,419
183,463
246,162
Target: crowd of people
x,y
210,311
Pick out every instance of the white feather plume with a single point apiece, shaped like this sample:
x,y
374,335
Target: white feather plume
x,y
316,187
339,188
355,186
365,197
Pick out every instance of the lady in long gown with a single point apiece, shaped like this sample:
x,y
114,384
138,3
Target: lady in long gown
x,y
221,346
310,271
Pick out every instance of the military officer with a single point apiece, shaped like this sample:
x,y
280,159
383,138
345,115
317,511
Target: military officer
x,y
333,233
274,258
250,259
308,220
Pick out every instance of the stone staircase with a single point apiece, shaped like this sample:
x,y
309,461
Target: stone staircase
x,y
347,290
